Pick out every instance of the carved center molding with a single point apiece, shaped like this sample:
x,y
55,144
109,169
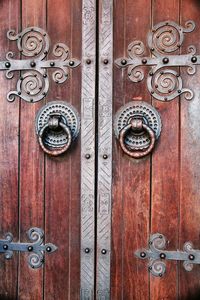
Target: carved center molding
x,y
163,82
34,44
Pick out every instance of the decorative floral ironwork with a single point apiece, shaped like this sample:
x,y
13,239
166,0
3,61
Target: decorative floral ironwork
x,y
34,44
157,255
163,83
36,248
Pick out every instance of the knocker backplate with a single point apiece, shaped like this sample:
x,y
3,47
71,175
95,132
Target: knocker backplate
x,y
69,116
137,110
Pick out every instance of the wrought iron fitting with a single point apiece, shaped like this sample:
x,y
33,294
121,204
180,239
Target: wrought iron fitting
x,y
137,126
34,44
35,247
163,83
157,255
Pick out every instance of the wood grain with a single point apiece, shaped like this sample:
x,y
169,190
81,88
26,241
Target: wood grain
x,y
190,158
31,169
9,128
165,172
62,195
131,178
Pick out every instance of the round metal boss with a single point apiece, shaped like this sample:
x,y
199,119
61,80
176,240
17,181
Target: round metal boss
x,y
68,115
142,111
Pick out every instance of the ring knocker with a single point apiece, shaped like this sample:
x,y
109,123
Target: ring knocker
x,y
57,126
137,126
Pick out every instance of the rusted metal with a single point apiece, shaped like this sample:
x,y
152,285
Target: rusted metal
x,y
57,126
137,125
163,83
157,255
36,247
33,84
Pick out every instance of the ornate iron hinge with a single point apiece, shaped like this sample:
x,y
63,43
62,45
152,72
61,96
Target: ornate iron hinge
x,y
163,83
157,255
33,84
36,247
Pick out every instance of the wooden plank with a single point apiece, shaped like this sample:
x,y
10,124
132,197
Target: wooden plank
x,y
31,169
165,171
9,122
62,192
190,158
131,178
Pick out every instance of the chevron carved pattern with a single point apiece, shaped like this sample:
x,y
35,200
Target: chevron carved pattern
x,y
88,149
104,150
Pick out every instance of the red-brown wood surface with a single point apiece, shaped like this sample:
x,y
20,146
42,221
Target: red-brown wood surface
x,y
131,178
62,195
165,171
31,168
189,287
9,128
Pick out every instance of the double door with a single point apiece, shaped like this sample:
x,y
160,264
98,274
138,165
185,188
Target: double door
x,y
99,149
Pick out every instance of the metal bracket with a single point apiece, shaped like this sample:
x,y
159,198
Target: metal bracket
x,y
33,84
36,247
157,255
163,83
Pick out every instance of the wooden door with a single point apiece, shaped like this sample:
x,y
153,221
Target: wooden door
x,y
160,192
98,204
38,190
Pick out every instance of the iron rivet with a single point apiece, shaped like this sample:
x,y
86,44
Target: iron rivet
x,y
143,254
105,156
30,248
156,86
162,255
165,99
179,91
5,247
71,63
32,64
45,75
48,249
152,49
87,156
152,92
150,268
32,267
103,251
44,94
88,61
21,78
160,236
165,60
150,243
87,250
124,62
52,63
105,61
19,93
169,91
151,73
28,92
31,100
191,257
194,59
45,52
7,64
144,61
160,274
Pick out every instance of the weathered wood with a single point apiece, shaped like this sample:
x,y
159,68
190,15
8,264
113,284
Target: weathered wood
x,y
9,128
165,171
131,178
31,169
190,158
62,192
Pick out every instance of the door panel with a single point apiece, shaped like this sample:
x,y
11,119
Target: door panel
x,y
158,193
9,177
37,190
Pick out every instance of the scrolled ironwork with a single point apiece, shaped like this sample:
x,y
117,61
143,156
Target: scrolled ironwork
x,y
34,44
163,82
35,247
158,255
